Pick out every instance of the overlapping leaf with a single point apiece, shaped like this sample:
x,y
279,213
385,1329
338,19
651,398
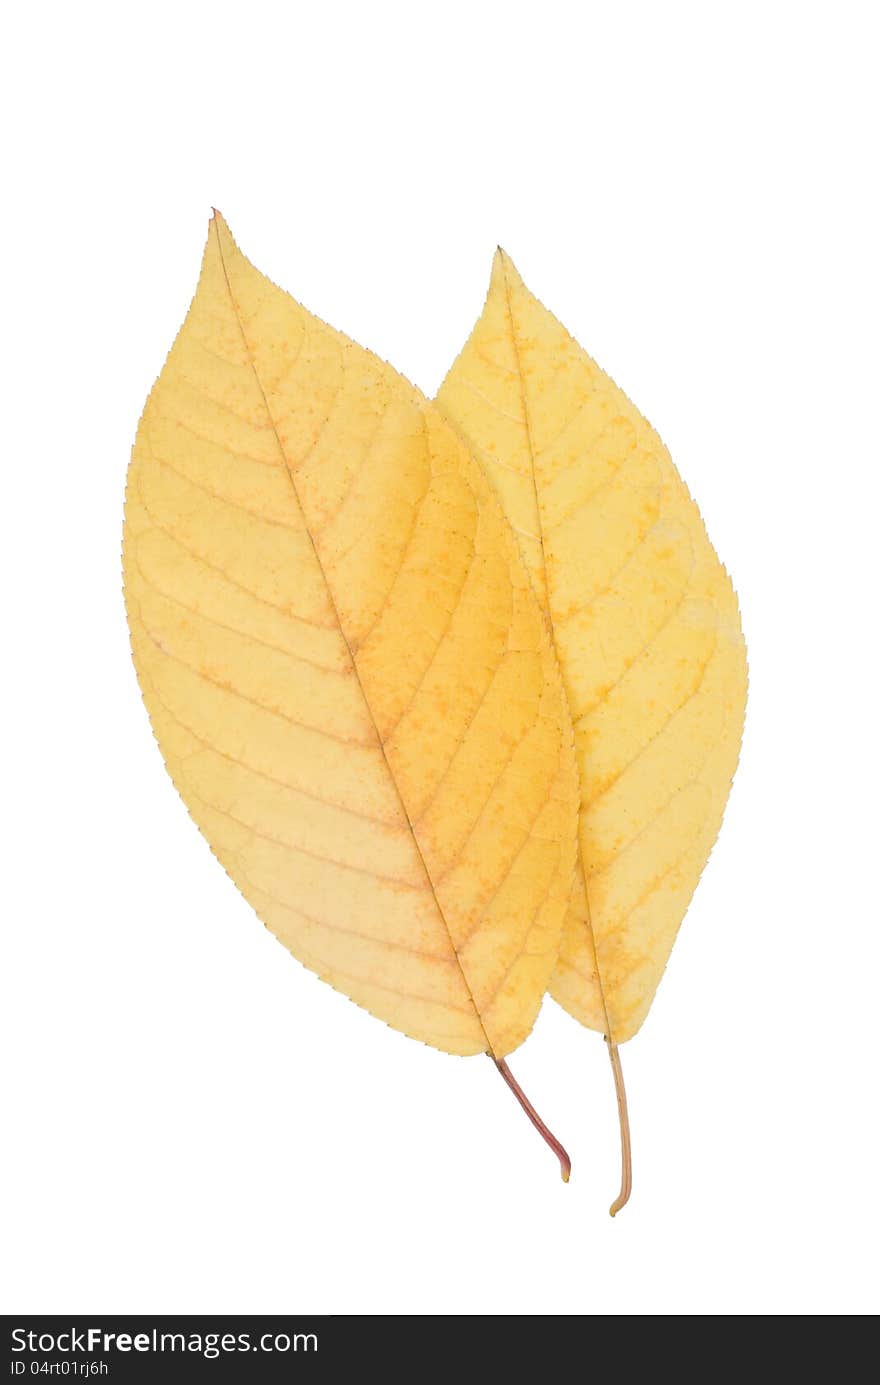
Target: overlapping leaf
x,y
645,624
346,668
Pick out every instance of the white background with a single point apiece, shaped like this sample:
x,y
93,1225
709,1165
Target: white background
x,y
195,1122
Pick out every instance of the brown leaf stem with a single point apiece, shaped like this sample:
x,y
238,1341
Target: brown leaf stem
x,y
625,1147
564,1161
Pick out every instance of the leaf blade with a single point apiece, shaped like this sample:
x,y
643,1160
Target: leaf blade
x,y
326,613
645,624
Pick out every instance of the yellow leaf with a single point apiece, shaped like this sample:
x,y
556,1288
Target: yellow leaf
x,y
346,668
646,627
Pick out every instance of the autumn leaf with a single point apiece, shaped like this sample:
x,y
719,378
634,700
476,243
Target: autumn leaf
x,y
346,669
647,631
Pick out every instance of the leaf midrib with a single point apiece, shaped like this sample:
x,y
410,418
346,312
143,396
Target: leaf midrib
x,y
403,808
549,615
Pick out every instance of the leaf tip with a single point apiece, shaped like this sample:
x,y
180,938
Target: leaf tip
x,y
219,235
500,263
504,269
218,222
